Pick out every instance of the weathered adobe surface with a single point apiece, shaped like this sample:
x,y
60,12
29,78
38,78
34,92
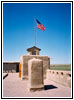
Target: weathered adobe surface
x,y
24,62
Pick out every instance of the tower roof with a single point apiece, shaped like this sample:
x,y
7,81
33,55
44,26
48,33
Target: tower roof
x,y
32,48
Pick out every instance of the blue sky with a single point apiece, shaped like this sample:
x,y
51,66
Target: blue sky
x,y
18,30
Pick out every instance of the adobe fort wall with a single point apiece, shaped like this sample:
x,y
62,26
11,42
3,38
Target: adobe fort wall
x,y
61,77
24,63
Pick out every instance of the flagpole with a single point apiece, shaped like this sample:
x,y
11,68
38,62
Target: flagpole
x,y
35,30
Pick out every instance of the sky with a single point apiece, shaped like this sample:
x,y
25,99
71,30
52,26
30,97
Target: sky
x,y
18,30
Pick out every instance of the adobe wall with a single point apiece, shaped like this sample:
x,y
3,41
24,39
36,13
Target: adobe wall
x,y
24,62
61,77
35,75
11,67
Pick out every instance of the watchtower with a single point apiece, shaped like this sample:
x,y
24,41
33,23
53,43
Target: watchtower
x,y
33,50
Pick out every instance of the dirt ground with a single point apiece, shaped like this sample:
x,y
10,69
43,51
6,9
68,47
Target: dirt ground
x,y
13,86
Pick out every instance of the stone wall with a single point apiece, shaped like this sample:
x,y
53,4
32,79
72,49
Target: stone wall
x,y
62,77
24,62
10,66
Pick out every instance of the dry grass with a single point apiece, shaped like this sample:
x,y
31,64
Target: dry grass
x,y
65,67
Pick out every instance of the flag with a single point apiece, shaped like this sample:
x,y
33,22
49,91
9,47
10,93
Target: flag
x,y
40,26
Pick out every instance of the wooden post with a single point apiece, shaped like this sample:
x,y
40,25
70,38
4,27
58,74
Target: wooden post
x,y
19,70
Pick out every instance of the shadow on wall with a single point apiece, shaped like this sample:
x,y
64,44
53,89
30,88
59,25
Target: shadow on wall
x,y
47,87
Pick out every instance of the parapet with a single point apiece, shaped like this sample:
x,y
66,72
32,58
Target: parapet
x,y
61,77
